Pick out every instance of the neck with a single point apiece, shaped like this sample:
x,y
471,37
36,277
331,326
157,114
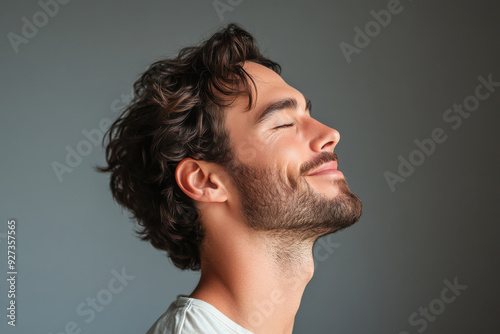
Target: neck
x,y
257,279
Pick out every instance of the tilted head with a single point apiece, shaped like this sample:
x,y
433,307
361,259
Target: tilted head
x,y
222,102
177,112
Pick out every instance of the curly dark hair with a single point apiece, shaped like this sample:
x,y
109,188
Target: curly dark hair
x,y
177,112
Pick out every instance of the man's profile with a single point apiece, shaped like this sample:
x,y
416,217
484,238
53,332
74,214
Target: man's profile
x,y
223,167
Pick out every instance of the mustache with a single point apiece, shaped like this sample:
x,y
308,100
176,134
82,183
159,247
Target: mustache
x,y
324,157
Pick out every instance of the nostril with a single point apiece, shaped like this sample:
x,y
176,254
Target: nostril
x,y
327,145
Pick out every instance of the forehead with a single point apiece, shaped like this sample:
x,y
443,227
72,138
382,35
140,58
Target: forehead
x,y
267,81
270,87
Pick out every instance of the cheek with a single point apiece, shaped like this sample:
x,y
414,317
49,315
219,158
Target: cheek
x,y
286,157
282,151
288,147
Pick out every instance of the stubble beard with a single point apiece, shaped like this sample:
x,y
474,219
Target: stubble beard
x,y
292,210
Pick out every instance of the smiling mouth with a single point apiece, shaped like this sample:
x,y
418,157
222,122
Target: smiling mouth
x,y
326,169
332,172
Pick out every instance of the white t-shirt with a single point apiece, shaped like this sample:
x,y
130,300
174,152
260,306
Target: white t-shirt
x,y
194,316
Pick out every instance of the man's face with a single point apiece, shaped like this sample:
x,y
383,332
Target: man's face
x,y
275,157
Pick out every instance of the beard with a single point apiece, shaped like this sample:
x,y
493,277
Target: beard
x,y
293,209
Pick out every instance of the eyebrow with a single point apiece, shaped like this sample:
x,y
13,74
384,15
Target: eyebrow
x,y
274,107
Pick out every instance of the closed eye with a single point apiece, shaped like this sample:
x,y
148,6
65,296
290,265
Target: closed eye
x,y
285,125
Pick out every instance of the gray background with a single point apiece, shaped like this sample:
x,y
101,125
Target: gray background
x,y
441,223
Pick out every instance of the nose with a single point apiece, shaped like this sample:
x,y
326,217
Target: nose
x,y
324,138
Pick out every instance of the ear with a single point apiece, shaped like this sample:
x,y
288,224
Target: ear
x,y
201,180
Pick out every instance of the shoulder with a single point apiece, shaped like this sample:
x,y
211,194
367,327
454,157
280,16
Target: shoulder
x,y
189,316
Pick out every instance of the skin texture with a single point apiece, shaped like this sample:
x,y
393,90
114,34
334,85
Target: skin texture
x,y
262,213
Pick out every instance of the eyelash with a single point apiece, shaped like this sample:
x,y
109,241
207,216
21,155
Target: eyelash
x,y
285,125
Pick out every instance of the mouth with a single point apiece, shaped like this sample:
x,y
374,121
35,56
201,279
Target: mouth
x,y
329,168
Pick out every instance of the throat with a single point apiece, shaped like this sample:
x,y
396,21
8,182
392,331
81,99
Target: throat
x,y
261,288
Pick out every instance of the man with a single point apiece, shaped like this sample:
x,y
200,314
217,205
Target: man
x,y
222,165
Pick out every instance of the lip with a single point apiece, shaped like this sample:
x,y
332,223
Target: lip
x,y
328,168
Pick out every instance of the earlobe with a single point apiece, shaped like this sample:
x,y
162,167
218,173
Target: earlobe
x,y
198,180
